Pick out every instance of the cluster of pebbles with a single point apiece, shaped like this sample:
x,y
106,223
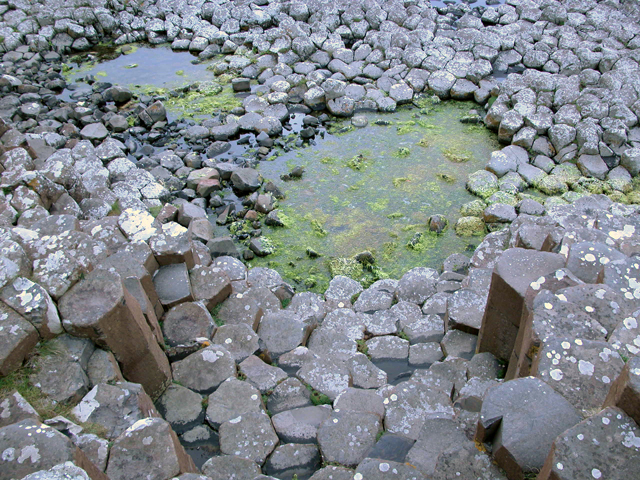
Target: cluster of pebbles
x,y
152,341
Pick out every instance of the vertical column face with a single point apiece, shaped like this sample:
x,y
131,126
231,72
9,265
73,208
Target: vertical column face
x,y
514,271
101,309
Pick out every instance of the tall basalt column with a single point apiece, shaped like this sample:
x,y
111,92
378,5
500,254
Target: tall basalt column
x,y
101,308
513,273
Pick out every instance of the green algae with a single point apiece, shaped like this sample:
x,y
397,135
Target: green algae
x,y
337,211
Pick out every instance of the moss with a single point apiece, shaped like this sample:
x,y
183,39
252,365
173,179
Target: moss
x,y
101,74
207,99
470,226
318,398
405,127
395,215
155,211
115,209
403,336
424,142
358,163
328,160
317,228
379,205
397,181
214,314
402,152
362,347
474,208
457,155
347,267
423,241
445,177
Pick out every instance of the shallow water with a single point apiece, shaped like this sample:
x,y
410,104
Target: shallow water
x,y
159,67
402,177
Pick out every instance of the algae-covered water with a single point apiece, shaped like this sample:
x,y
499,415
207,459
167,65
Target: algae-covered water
x,y
374,189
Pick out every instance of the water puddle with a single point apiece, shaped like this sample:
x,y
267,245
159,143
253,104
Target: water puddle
x,y
374,189
397,370
159,67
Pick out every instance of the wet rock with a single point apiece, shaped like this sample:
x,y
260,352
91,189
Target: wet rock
x,y
529,402
388,347
250,436
364,373
425,354
94,131
246,180
149,446
181,407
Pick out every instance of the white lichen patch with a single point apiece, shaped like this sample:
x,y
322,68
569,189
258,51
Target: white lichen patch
x,y
137,225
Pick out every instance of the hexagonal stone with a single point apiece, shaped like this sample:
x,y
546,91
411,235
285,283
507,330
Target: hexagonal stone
x,y
375,469
514,271
17,339
465,309
427,328
30,446
204,370
437,436
61,364
599,301
239,340
388,347
210,285
260,374
342,289
449,376
293,459
463,461
100,308
326,376
417,285
359,400
522,418
580,370
471,395
150,446
250,436
424,355
347,321
378,296
346,437
137,225
15,409
333,341
483,365
115,407
231,399
240,309
364,373
308,304
586,259
282,331
456,343
482,183
625,390
173,285
593,166
172,244
382,322
34,304
331,472
181,407
409,404
605,445
62,471
224,467
185,323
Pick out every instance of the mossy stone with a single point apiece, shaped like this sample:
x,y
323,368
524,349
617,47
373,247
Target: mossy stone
x,y
553,185
503,197
474,208
470,226
482,183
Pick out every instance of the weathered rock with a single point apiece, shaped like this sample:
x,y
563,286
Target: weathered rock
x,y
149,446
17,339
260,374
283,331
115,407
224,467
232,399
514,271
100,308
30,446
172,284
346,437
250,436
15,409
612,440
181,407
625,390
204,370
239,340
465,310
521,419
293,459
417,285
325,375
185,323
210,285
234,311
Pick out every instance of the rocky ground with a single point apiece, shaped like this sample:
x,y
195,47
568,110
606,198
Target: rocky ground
x,y
131,336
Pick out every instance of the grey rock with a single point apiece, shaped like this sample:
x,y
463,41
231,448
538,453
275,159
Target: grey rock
x,y
300,425
204,370
181,407
250,436
346,437
232,399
